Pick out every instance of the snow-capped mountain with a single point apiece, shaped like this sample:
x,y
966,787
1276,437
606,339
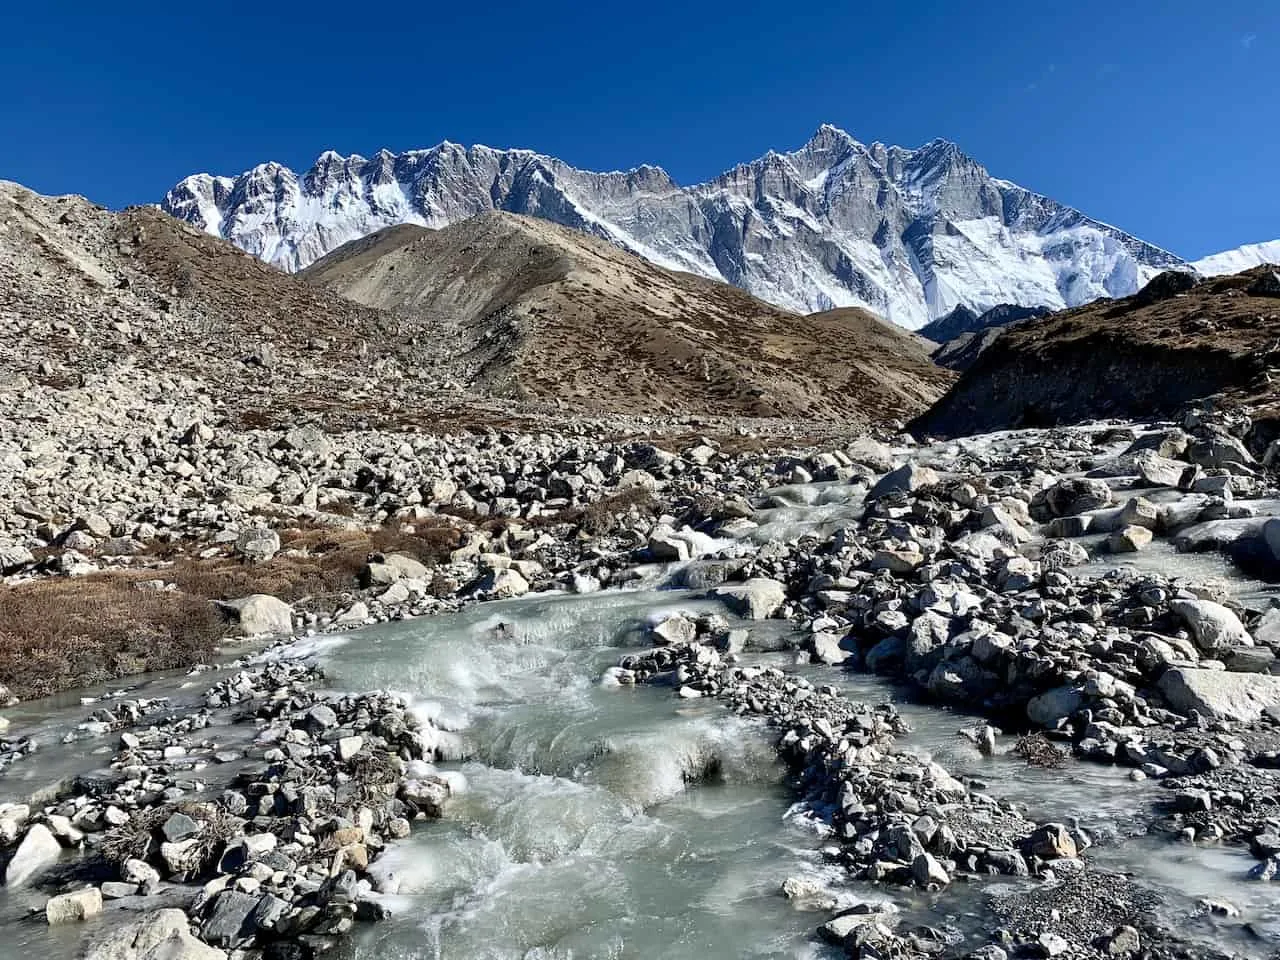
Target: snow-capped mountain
x,y
1241,258
908,234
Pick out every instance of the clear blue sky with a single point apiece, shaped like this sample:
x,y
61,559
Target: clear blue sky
x,y
1160,119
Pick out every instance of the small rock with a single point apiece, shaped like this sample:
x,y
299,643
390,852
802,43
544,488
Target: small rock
x,y
74,907
178,827
257,544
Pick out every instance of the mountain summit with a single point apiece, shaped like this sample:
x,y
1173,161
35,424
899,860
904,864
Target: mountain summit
x,y
908,234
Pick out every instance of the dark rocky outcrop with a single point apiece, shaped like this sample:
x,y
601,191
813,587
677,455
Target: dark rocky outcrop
x,y
1145,356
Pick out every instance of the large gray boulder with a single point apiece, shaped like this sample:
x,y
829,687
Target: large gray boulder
x,y
1147,465
756,599
1212,624
1268,629
503,584
705,574
259,614
162,935
1171,443
665,547
1219,694
1140,512
1071,496
38,850
257,544
307,439
926,637
392,567
1129,539
1219,450
831,648
908,478
14,556
410,568
1054,706
227,923
871,453
1226,535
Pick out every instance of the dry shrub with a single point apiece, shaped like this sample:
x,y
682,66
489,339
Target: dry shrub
x,y
134,840
140,837
56,634
1036,749
321,561
605,515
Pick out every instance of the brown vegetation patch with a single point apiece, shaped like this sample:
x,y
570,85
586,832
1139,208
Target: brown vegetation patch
x,y
606,515
61,633
315,561
57,634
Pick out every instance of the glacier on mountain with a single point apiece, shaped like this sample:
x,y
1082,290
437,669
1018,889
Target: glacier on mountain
x,y
1241,258
907,234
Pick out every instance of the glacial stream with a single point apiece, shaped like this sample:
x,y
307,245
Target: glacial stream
x,y
604,821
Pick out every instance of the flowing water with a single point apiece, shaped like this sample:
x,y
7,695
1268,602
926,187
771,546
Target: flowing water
x,y
606,821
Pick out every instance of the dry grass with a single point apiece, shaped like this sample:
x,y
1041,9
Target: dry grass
x,y
605,515
315,561
57,634
141,836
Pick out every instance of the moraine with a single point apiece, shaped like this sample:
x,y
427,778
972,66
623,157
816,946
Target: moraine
x,y
589,818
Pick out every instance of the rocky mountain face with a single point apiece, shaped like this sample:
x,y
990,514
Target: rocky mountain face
x,y
962,320
907,234
87,293
534,310
1176,341
962,334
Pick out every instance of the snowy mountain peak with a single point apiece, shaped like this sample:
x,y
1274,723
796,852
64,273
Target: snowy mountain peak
x,y
1241,258
907,233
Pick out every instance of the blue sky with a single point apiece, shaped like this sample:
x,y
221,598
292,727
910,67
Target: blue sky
x,y
1159,118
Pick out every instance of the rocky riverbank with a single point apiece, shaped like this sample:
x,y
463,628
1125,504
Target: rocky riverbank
x,y
1006,575
139,501
971,576
258,813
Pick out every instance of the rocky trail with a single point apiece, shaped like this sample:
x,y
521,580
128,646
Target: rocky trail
x,y
1008,695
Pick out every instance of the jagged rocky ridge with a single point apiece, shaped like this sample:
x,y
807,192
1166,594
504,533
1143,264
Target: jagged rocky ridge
x,y
962,320
908,234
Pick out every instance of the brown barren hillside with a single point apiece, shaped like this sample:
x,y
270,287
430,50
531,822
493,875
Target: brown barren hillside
x,y
1175,341
531,309
83,290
